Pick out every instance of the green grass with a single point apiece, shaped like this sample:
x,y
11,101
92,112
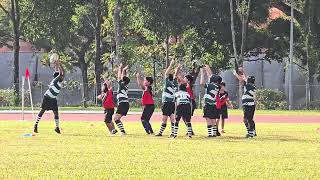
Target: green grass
x,y
197,112
86,151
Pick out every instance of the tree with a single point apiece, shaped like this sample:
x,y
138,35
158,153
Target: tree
x,y
18,13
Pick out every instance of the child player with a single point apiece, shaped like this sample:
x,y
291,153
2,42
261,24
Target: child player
x,y
168,104
183,110
248,102
50,97
211,113
122,97
225,104
107,102
147,102
189,80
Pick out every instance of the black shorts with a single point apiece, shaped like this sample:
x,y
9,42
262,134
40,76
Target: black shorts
x,y
123,108
248,112
108,115
184,111
194,105
211,112
49,104
168,108
224,112
147,112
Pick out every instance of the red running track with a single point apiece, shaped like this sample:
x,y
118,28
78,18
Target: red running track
x,y
157,117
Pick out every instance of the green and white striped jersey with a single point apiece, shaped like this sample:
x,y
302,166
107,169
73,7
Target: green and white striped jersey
x,y
249,91
182,97
169,88
54,87
122,94
211,92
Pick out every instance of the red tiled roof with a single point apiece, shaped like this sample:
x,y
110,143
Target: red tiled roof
x,y
24,47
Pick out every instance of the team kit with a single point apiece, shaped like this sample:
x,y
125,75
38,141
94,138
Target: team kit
x,y
178,101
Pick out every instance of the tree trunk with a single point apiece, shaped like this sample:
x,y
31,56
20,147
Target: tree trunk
x,y
118,32
98,64
84,71
15,17
235,53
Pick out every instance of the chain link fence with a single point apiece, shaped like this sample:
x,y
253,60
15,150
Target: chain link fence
x,y
73,95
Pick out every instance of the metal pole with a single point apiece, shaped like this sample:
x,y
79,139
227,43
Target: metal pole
x,y
291,59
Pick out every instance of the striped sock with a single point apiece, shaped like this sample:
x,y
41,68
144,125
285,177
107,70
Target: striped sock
x,y
189,129
38,119
214,130
163,127
120,126
57,122
251,133
210,130
176,127
172,128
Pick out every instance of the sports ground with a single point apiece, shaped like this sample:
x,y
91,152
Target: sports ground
x,y
287,147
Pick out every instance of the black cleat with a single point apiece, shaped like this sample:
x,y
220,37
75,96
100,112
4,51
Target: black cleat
x,y
57,130
158,135
35,128
249,136
218,133
114,131
172,136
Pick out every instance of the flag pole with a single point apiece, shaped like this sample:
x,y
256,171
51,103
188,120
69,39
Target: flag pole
x,y
31,102
27,74
22,98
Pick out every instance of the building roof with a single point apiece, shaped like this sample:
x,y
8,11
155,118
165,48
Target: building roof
x,y
24,47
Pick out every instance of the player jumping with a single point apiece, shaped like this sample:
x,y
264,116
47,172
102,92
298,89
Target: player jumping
x,y
50,97
122,97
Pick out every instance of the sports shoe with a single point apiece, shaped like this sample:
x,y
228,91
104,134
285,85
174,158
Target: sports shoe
x,y
57,130
218,133
35,128
114,131
123,133
171,135
223,131
249,137
158,135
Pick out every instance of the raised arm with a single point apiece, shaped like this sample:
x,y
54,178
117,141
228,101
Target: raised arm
x,y
140,81
177,71
202,77
119,72
166,74
239,77
124,71
208,70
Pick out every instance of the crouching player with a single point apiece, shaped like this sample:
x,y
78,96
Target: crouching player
x,y
211,113
122,97
147,102
225,104
183,110
50,98
248,102
107,102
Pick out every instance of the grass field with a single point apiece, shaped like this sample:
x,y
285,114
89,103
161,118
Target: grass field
x,y
197,112
86,151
